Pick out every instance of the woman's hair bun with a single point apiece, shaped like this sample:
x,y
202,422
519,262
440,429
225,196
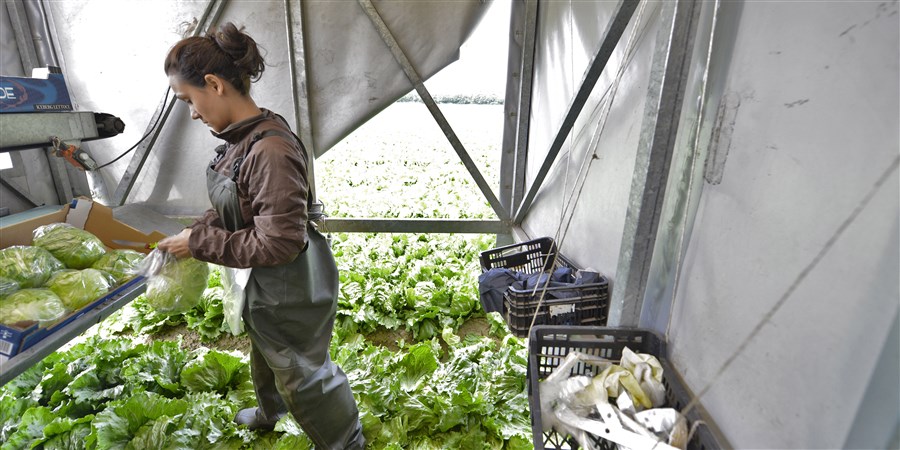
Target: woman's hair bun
x,y
228,52
240,47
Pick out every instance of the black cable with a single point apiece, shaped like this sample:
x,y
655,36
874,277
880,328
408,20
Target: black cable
x,y
153,127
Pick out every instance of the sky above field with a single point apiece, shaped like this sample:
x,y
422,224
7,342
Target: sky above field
x,y
481,68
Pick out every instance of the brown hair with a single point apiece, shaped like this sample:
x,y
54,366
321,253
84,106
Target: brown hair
x,y
227,52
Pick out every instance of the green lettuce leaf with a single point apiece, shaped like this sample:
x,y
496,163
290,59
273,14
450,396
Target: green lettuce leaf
x,y
418,365
30,430
216,371
122,421
65,433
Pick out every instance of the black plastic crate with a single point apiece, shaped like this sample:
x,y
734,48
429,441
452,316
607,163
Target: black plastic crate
x,y
583,305
548,347
529,257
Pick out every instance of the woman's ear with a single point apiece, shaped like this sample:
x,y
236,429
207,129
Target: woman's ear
x,y
215,83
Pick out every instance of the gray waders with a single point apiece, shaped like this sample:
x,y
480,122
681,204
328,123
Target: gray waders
x,y
289,314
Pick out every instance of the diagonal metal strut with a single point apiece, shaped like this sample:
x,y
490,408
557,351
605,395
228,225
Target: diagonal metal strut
x,y
416,80
210,16
613,33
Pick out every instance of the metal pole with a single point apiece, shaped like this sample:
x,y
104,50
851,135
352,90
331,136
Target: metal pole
x,y
370,225
302,118
212,12
524,105
662,112
416,80
517,106
18,16
22,29
48,52
613,33
21,193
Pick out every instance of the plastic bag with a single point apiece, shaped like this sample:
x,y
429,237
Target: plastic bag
x,y
174,286
648,372
31,305
76,248
234,281
7,287
78,288
121,264
29,266
667,423
579,405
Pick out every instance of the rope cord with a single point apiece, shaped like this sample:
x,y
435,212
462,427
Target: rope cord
x,y
590,156
146,135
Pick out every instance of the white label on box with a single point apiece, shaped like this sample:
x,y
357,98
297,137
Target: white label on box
x,y
556,310
78,212
6,347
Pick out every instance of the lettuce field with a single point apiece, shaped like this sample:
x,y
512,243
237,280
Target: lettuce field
x,y
429,369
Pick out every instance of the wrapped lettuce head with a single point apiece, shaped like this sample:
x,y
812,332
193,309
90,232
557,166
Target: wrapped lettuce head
x,y
123,265
178,287
31,305
28,265
76,248
78,288
7,286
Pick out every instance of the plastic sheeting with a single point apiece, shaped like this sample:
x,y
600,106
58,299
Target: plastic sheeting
x,y
112,54
568,37
352,74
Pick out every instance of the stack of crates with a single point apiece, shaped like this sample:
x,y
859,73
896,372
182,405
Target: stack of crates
x,y
576,304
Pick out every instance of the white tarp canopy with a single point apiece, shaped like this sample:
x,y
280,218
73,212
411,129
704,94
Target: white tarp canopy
x,y
343,74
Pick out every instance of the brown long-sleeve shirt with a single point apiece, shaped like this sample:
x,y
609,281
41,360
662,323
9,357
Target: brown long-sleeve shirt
x,y
272,192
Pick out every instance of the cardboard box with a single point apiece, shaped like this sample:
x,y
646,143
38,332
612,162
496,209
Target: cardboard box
x,y
82,213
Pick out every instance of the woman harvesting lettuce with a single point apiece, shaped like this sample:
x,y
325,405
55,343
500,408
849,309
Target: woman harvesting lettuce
x,y
257,184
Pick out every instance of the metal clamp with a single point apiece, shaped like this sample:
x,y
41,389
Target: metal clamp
x,y
73,154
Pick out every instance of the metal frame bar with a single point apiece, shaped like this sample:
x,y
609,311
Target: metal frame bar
x,y
302,118
378,225
28,54
32,355
671,65
613,33
210,16
704,96
523,127
517,105
510,106
19,21
12,186
417,82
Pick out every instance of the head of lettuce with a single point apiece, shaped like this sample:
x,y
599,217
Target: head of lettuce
x,y
28,266
31,305
178,286
76,248
78,288
121,264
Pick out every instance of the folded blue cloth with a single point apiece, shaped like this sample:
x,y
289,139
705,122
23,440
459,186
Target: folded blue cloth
x,y
494,283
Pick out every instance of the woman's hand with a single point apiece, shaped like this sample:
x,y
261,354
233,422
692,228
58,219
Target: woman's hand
x,y
177,245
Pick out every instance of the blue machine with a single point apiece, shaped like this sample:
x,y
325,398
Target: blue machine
x,y
38,112
45,92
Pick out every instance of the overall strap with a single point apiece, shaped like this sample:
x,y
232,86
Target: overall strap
x,y
258,136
